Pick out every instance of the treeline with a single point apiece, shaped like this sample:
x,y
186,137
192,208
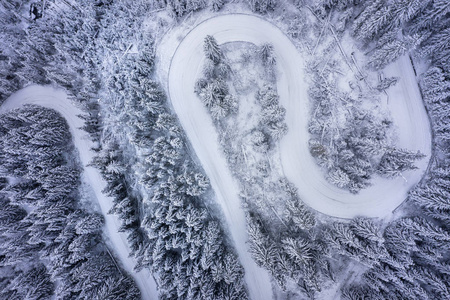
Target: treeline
x,y
50,245
159,192
51,49
213,89
406,260
271,126
181,8
414,261
56,46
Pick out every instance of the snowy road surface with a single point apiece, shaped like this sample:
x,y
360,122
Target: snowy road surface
x,y
408,112
56,99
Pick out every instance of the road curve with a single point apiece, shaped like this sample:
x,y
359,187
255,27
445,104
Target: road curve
x,y
57,100
407,109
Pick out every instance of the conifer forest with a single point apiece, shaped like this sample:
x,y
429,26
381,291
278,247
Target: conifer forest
x,y
225,149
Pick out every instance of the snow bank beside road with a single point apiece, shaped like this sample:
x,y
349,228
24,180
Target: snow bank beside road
x,y
56,99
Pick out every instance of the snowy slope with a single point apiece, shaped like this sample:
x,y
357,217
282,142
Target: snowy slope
x,y
406,104
56,99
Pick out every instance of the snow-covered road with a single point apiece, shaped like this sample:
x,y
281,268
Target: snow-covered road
x,y
56,99
406,106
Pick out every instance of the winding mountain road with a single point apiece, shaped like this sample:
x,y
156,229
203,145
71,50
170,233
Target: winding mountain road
x,y
185,67
407,109
57,100
381,199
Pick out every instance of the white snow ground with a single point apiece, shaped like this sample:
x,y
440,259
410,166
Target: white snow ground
x,y
406,106
56,99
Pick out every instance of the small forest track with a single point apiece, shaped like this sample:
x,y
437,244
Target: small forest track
x,y
56,99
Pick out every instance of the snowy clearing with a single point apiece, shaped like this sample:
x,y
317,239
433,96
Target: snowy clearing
x,y
406,106
56,99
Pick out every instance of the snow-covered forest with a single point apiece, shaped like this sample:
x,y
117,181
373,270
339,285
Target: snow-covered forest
x,y
224,149
51,242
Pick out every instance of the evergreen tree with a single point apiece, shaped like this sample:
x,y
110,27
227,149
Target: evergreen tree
x,y
388,53
435,85
212,50
367,229
267,55
262,6
216,5
396,161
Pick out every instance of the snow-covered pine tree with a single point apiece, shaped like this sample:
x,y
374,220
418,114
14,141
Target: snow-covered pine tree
x,y
375,24
277,130
272,113
262,6
434,199
439,286
436,87
425,229
395,161
370,8
338,177
232,271
263,251
194,5
436,44
122,288
432,15
212,49
267,96
298,249
260,141
216,5
404,10
266,53
35,283
210,246
367,229
91,223
389,52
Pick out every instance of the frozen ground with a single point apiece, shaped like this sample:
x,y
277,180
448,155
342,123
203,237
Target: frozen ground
x,y
56,99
